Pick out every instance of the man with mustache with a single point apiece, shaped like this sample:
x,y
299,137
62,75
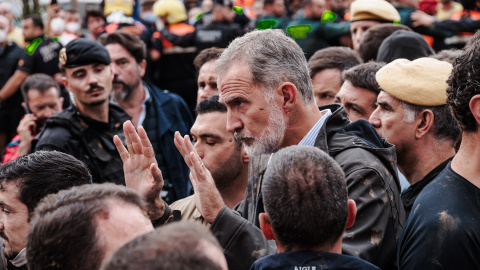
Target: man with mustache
x,y
86,129
42,99
159,112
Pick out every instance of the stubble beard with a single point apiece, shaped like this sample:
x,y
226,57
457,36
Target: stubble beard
x,y
270,139
125,92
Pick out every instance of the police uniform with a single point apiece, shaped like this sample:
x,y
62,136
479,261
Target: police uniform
x,y
85,138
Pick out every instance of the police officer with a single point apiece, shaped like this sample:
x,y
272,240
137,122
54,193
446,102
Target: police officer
x,y
86,130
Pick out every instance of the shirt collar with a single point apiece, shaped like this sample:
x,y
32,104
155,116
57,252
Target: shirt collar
x,y
311,136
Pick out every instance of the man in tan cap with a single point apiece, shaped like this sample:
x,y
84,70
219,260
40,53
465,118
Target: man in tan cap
x,y
443,231
412,114
367,13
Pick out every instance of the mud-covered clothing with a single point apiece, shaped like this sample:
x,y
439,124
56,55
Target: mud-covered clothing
x,y
411,193
311,260
88,140
370,170
322,35
443,230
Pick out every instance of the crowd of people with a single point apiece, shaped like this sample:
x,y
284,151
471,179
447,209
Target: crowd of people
x,y
169,134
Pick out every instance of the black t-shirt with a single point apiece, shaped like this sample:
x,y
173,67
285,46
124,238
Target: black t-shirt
x,y
410,195
443,230
43,60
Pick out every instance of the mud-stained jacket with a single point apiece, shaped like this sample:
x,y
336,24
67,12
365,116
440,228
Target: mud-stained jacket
x,y
369,164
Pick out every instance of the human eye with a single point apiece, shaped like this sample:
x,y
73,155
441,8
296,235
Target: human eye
x,y
98,69
201,85
79,75
210,143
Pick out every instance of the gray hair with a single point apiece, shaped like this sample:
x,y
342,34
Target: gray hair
x,y
273,58
444,125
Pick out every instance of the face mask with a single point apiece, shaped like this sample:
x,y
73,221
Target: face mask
x,y
57,25
72,27
149,17
3,35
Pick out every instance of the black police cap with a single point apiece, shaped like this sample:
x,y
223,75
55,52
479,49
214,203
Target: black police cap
x,y
83,51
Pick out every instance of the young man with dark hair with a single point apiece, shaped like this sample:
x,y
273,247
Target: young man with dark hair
x,y
443,229
80,227
207,78
359,90
306,212
86,130
23,183
182,245
41,95
221,153
159,112
326,67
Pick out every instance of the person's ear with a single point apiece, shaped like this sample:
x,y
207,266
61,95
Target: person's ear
x,y
61,101
475,107
352,213
265,226
289,93
65,81
24,105
142,66
424,123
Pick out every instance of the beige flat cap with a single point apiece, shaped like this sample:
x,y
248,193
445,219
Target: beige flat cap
x,y
378,10
422,81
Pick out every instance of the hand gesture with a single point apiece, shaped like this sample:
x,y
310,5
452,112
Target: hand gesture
x,y
420,18
141,169
25,129
208,200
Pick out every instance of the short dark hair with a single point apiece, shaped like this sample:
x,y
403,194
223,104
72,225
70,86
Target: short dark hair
x,y
177,246
207,55
41,173
305,198
41,82
94,13
464,83
340,58
447,55
211,104
37,21
373,38
131,42
62,233
363,76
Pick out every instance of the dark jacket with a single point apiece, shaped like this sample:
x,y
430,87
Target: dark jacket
x,y
167,113
370,170
88,140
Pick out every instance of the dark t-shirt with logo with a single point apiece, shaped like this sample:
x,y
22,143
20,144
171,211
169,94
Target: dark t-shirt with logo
x,y
43,60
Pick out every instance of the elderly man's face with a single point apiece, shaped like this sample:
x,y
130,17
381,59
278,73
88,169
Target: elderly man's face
x,y
13,220
390,122
259,123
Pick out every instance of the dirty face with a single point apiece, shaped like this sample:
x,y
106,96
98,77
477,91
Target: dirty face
x,y
358,102
326,85
255,120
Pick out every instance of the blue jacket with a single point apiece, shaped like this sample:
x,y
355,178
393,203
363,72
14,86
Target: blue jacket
x,y
167,113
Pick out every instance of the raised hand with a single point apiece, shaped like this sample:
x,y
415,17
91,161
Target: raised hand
x,y
141,169
208,200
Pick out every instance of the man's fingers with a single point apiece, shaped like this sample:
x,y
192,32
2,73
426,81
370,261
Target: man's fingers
x,y
156,173
128,141
147,147
121,148
198,167
178,140
134,138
